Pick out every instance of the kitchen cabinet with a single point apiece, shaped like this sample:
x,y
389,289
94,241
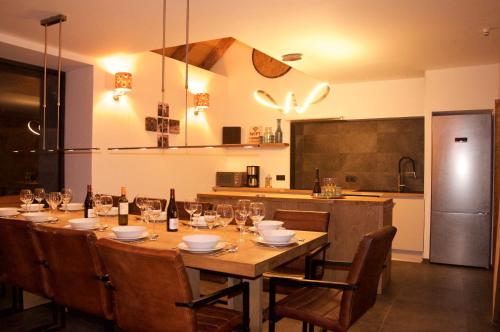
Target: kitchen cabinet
x,y
408,218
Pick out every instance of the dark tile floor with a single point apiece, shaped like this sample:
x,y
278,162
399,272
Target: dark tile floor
x,y
421,297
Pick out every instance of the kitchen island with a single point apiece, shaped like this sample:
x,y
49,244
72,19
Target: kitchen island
x,y
350,216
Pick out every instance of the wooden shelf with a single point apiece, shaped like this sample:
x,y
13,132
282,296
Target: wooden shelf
x,y
231,146
256,146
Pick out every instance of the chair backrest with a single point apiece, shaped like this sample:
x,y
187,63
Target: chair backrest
x,y
21,257
365,271
75,270
147,283
316,221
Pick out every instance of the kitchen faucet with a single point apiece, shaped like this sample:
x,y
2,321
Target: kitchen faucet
x,y
401,185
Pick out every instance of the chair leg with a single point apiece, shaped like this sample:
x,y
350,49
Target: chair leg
x,y
14,303
311,327
272,303
20,299
304,327
108,326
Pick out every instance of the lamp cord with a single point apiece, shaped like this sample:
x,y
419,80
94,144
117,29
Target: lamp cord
x,y
59,82
44,106
163,73
186,82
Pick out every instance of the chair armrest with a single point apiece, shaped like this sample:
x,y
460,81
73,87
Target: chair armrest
x,y
311,263
211,298
273,281
318,250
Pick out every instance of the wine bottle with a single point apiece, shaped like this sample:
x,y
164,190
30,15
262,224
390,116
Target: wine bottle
x,y
172,213
89,203
123,208
317,187
278,135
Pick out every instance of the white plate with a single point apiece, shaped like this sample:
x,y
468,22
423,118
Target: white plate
x,y
48,219
130,239
111,213
184,247
71,208
260,240
8,212
31,210
82,229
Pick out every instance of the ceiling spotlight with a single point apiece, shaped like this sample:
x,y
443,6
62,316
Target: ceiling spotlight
x,y
292,57
487,30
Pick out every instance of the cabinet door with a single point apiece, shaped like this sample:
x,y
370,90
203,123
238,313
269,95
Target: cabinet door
x,y
408,218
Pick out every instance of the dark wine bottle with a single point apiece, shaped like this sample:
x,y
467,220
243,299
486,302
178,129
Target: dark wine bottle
x,y
317,186
172,213
123,208
88,205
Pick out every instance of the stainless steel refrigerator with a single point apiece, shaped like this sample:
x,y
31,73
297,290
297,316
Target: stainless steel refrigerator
x,y
461,201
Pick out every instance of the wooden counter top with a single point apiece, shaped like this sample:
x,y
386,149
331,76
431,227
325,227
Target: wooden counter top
x,y
299,197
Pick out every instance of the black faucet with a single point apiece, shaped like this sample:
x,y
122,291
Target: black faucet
x,y
401,185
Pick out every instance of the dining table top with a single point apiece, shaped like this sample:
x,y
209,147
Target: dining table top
x,y
250,260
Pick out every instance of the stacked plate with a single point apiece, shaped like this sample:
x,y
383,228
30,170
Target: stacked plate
x,y
83,223
31,207
201,243
277,237
72,207
129,233
38,217
8,212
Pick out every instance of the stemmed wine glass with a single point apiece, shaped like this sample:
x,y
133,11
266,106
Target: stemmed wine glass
x,y
225,214
106,203
26,196
240,216
152,214
197,209
39,194
210,216
189,209
244,206
67,195
54,199
140,203
257,213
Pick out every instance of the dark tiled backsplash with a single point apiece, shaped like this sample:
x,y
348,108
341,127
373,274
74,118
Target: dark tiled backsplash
x,y
365,150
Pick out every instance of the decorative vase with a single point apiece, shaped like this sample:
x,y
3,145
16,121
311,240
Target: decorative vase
x,y
278,135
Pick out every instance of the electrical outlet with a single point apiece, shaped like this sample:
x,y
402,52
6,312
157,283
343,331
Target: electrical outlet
x,y
350,178
280,178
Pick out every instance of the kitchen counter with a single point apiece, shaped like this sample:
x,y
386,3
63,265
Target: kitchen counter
x,y
351,217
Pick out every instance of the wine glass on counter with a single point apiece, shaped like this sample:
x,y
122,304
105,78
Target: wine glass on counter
x,y
54,199
39,194
106,202
210,218
197,209
140,203
257,214
153,211
225,214
240,216
67,195
26,196
189,209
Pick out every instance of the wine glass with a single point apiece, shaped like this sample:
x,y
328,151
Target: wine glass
x,y
197,209
240,216
257,213
26,196
189,209
54,199
244,206
210,217
67,195
39,194
140,203
225,214
106,202
153,208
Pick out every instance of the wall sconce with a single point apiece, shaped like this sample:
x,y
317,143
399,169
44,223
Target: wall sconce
x,y
201,102
123,84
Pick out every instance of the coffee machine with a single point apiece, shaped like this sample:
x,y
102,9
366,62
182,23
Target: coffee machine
x,y
253,176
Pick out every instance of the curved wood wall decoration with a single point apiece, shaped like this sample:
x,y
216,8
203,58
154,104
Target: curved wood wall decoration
x,y
267,66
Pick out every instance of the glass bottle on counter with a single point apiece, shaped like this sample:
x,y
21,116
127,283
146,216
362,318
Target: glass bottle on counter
x,y
88,205
278,135
172,213
123,208
317,185
268,135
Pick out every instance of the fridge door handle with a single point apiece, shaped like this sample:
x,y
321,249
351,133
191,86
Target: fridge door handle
x,y
483,213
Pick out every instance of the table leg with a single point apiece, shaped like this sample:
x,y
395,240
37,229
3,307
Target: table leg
x,y
235,302
194,281
255,303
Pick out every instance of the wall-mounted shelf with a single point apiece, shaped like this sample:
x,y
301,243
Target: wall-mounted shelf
x,y
234,146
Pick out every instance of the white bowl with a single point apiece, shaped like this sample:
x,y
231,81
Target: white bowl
x,y
31,207
127,232
73,206
36,216
201,241
277,235
83,223
8,211
269,224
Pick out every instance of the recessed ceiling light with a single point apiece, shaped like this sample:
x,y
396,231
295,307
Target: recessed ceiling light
x,y
292,57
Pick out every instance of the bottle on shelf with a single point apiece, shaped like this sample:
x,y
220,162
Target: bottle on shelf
x,y
278,135
88,205
172,213
317,186
123,208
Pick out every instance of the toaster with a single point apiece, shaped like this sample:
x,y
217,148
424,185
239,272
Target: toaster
x,y
231,179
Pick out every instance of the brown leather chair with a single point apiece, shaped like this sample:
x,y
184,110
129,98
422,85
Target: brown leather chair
x,y
76,273
152,292
315,221
336,305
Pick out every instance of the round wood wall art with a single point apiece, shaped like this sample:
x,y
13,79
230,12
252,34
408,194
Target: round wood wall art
x,y
267,66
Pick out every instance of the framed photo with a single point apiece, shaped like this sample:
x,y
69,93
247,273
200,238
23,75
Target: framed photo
x,y
174,126
163,125
254,134
151,124
162,141
163,109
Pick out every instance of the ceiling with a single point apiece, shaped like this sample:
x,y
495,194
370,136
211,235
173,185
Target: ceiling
x,y
342,41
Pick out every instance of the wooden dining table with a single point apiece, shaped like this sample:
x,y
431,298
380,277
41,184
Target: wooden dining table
x,y
248,263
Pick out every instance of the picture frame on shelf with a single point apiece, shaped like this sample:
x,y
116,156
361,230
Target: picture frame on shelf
x,y
163,110
174,126
151,124
162,140
163,125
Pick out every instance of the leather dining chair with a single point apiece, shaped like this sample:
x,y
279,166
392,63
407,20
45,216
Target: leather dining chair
x,y
152,292
24,264
76,273
315,221
336,305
